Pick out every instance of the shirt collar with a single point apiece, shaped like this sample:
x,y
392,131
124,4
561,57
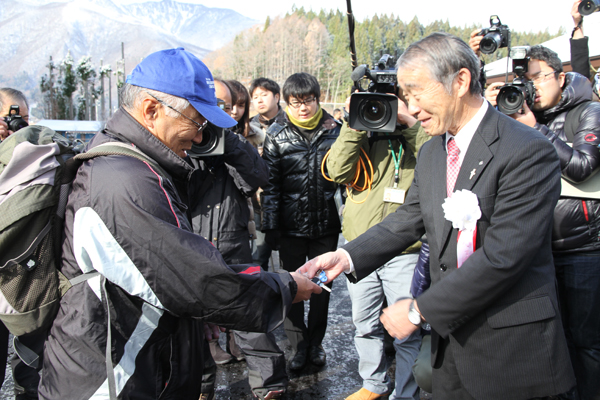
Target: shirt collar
x,y
464,136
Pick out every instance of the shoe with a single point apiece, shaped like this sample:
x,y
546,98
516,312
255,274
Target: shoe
x,y
271,394
364,394
298,361
218,354
233,348
317,355
207,396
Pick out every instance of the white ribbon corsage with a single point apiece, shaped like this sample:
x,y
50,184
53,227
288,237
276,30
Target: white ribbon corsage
x,y
462,209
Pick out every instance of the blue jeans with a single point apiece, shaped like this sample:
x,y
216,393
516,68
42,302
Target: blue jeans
x,y
578,277
392,282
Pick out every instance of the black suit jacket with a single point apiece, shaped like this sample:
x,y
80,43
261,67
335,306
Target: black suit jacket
x,y
499,310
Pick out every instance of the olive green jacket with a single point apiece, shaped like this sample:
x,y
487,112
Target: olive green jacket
x,y
341,167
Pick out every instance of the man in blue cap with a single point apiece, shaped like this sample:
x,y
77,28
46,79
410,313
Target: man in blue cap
x,y
137,330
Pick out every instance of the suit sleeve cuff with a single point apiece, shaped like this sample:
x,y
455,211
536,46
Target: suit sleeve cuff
x,y
350,269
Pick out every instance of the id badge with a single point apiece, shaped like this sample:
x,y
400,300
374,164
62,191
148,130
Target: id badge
x,y
391,195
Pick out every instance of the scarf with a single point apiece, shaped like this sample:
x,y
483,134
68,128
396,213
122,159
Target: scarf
x,y
309,124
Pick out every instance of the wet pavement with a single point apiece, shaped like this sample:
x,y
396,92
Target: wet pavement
x,y
337,379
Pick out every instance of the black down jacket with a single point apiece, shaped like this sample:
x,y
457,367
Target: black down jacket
x,y
576,221
298,200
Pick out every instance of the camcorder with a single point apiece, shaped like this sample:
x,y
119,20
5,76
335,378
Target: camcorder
x,y
587,7
495,37
511,97
14,119
375,109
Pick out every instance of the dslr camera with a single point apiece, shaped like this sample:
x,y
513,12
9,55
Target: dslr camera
x,y
213,140
14,120
494,37
375,109
512,96
587,7
212,144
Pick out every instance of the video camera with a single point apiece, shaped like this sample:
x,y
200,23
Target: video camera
x,y
14,120
587,7
495,37
376,109
511,97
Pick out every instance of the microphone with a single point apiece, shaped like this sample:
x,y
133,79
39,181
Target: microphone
x,y
359,72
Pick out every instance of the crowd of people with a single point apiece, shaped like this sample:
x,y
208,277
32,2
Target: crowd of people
x,y
466,238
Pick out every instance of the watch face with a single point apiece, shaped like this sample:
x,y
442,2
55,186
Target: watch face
x,y
414,317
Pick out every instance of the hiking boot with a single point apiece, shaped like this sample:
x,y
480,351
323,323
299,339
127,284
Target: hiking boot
x,y
207,396
233,348
364,394
271,394
217,353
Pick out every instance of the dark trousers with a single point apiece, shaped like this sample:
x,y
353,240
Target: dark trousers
x,y
265,360
578,277
293,253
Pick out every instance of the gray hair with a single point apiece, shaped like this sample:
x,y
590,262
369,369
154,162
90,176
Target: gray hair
x,y
9,94
132,96
444,55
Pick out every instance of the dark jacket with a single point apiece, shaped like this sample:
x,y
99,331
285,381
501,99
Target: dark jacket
x,y
129,223
298,200
576,221
580,56
220,208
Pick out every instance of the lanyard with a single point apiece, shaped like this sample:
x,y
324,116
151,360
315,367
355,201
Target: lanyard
x,y
396,163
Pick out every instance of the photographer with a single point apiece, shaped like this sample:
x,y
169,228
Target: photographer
x,y
220,213
11,97
580,52
389,154
560,98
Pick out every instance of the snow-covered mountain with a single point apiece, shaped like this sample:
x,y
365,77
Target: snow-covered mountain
x,y
34,30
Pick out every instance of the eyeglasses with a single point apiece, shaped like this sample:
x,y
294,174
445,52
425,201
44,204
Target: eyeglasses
x,y
540,78
199,126
297,103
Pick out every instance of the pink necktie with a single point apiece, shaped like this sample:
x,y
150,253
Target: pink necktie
x,y
452,166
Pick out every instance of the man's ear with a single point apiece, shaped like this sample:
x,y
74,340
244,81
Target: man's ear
x,y
277,95
462,82
150,111
561,79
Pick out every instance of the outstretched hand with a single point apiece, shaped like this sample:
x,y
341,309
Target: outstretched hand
x,y
333,263
305,287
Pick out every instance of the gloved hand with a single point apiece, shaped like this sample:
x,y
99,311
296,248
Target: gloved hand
x,y
272,238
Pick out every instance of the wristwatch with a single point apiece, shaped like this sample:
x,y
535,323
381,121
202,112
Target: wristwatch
x,y
413,315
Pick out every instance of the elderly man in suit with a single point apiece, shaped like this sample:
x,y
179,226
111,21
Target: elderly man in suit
x,y
492,306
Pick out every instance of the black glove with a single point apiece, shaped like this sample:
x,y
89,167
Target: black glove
x,y
272,238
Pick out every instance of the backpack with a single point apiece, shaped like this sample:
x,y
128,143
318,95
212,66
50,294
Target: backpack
x,y
37,168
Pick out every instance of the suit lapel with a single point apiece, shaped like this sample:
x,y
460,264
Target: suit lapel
x,y
473,166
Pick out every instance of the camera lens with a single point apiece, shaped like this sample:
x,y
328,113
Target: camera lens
x,y
210,140
490,42
510,99
14,124
375,113
587,7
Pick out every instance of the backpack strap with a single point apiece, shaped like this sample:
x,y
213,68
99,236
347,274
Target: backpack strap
x,y
572,120
121,149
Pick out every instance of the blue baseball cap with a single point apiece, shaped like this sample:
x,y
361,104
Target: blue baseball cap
x,y
182,74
